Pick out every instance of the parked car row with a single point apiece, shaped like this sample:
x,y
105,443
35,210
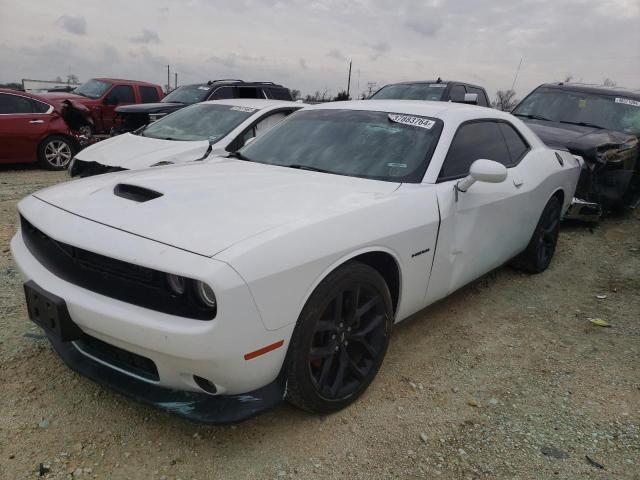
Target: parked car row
x,y
215,289
238,252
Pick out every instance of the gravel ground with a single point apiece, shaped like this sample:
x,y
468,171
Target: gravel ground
x,y
507,378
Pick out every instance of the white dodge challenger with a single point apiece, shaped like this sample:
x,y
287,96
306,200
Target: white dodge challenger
x,y
216,289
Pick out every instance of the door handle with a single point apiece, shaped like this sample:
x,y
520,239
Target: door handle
x,y
518,182
36,121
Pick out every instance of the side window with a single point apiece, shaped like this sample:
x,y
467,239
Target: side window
x,y
40,107
457,93
148,94
472,142
250,92
266,123
258,129
121,94
15,104
221,93
482,98
515,143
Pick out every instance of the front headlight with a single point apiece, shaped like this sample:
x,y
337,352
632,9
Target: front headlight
x,y
205,294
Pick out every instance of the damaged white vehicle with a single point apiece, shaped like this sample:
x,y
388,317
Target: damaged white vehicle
x,y
192,133
216,289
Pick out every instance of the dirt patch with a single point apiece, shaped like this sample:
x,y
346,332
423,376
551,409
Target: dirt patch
x,y
505,379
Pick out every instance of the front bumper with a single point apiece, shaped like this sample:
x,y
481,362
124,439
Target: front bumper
x,y
197,407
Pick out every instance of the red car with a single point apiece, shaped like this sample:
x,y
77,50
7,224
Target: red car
x,y
34,128
102,95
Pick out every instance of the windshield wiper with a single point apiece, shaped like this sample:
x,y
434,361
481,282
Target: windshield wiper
x,y
239,156
584,124
307,167
533,117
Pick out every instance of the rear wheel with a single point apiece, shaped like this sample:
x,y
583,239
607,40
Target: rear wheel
x,y
55,152
538,254
340,340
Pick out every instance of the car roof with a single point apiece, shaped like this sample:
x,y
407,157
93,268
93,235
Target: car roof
x,y
442,82
35,96
443,110
593,89
232,81
123,80
257,103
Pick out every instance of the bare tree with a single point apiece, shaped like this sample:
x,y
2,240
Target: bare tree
x,y
295,94
567,78
505,100
73,78
342,95
607,82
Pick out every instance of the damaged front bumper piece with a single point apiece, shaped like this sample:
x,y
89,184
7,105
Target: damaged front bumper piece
x,y
583,211
194,406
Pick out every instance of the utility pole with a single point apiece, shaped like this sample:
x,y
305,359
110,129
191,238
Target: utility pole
x,y
349,81
513,86
175,84
168,79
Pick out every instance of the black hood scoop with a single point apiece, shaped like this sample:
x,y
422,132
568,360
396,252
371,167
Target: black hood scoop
x,y
135,193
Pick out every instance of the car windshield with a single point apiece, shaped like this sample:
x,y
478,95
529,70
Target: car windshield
x,y
188,94
379,145
92,89
199,122
411,91
613,112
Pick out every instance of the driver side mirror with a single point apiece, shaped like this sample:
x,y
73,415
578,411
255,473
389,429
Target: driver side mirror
x,y
482,170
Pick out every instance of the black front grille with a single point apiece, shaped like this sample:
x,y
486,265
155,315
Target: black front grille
x,y
110,277
123,359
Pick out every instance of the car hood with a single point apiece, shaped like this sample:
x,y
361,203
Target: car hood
x,y
67,96
131,152
151,107
580,140
206,207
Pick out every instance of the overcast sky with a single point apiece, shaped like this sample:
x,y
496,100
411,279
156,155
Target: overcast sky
x,y
306,44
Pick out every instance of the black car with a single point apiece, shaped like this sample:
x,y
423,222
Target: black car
x,y
601,125
437,90
132,117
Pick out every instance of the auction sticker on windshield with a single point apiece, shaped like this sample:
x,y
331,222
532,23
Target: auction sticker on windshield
x,y
243,109
411,120
628,101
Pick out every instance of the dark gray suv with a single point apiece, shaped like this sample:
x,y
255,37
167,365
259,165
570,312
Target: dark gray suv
x,y
132,117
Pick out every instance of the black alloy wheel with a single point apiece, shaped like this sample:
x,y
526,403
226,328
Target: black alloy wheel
x,y
542,246
341,339
548,238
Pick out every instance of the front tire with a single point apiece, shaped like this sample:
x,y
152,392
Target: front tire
x,y
538,254
340,340
55,152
